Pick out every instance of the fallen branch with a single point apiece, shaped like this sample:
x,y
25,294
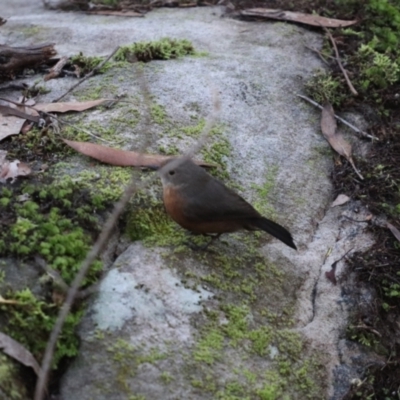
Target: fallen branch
x,y
349,84
15,59
56,70
343,121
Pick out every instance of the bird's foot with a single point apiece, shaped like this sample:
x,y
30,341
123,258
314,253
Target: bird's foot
x,y
197,247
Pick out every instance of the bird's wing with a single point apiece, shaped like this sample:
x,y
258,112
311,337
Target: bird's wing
x,y
213,201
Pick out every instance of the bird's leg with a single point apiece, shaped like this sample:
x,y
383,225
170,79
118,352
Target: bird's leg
x,y
204,247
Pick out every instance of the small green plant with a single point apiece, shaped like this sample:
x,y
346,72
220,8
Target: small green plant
x,y
31,320
88,63
163,49
377,69
323,87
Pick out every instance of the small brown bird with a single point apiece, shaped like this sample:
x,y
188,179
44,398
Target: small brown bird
x,y
202,204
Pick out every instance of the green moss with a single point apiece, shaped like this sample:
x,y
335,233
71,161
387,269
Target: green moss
x,y
11,387
31,320
208,348
377,70
158,113
232,391
30,31
264,192
163,49
270,392
126,361
322,87
59,222
88,63
166,377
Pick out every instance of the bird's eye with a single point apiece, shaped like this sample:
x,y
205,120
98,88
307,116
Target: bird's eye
x,y
172,172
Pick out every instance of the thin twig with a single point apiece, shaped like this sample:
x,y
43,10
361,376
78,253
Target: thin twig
x,y
343,121
105,234
319,53
55,71
356,220
53,273
80,129
91,73
132,188
372,330
349,84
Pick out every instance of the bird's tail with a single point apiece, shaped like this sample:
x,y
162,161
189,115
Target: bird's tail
x,y
275,230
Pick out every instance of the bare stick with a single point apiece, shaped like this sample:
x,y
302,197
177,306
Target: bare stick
x,y
349,84
343,121
131,189
73,290
56,70
91,73
318,52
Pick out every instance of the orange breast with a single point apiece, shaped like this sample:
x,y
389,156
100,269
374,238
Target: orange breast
x,y
174,205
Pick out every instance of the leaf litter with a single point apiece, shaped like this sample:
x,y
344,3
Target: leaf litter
x,y
335,138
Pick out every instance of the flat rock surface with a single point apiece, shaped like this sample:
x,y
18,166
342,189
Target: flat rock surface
x,y
251,318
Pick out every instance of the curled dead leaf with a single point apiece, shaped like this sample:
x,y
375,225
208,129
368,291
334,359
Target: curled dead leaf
x,y
336,139
11,170
69,106
13,117
340,200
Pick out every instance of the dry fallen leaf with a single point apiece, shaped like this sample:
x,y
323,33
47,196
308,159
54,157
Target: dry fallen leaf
x,y
308,19
340,200
331,275
69,106
13,111
11,170
336,139
11,124
18,352
122,158
394,230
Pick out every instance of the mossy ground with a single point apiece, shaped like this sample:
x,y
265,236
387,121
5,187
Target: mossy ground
x,y
370,52
254,324
64,212
57,213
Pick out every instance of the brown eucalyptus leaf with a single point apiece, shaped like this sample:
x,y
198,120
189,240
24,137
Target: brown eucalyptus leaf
x,y
335,138
69,106
13,117
302,18
7,111
122,158
10,125
18,352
